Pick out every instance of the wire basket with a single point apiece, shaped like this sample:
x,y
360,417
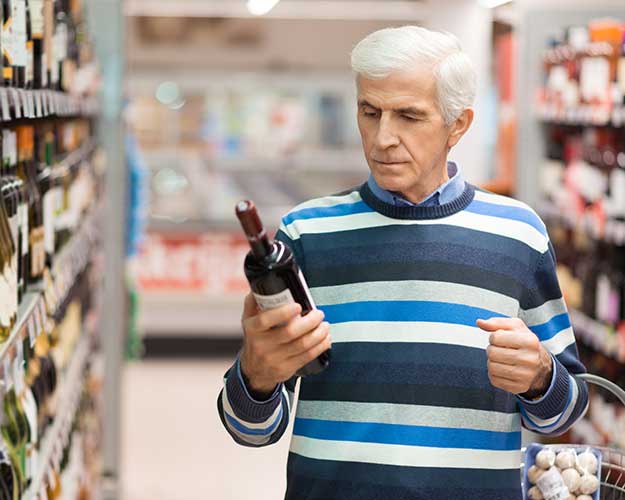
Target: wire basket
x,y
613,460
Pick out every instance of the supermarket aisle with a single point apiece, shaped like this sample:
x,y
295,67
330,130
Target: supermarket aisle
x,y
174,446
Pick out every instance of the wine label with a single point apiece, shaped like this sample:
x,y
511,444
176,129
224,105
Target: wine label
x,y
19,32
36,18
7,41
30,66
266,302
60,42
552,485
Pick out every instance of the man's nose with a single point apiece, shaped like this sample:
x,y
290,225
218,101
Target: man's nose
x,y
386,137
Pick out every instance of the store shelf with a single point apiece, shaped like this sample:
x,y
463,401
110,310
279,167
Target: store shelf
x,y
582,116
32,311
613,232
29,315
18,104
598,335
564,53
57,435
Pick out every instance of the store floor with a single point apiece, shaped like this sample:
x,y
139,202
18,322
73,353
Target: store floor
x,y
174,446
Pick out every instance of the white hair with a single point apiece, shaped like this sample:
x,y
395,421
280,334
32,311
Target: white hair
x,y
401,49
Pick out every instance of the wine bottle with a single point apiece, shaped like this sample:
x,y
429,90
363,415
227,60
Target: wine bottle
x,y
48,44
7,43
274,276
19,41
30,52
35,9
60,44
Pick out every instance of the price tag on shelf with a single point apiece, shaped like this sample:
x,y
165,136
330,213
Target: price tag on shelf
x,y
18,366
4,104
32,334
44,103
38,321
38,104
44,316
15,101
31,104
23,100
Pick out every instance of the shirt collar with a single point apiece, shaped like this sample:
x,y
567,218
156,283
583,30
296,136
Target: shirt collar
x,y
445,193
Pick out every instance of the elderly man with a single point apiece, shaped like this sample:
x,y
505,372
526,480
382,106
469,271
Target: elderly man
x,y
449,331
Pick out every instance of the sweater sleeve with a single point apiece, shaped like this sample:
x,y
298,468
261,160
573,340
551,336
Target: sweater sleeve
x,y
251,422
544,311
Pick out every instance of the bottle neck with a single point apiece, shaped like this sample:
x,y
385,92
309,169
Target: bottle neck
x,y
261,246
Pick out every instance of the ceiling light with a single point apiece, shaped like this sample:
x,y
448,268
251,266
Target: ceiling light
x,y
260,7
491,4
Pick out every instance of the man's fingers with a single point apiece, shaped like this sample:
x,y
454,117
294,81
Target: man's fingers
x,y
508,339
299,326
502,355
304,358
309,340
266,320
494,324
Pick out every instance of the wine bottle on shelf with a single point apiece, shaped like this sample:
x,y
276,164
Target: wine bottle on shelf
x,y
8,56
19,43
10,160
36,17
47,57
46,188
274,276
8,293
30,53
61,38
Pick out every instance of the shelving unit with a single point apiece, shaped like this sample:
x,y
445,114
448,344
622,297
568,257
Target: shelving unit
x,y
57,435
602,345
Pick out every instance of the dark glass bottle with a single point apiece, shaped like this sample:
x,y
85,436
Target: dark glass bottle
x,y
36,27
274,276
19,43
61,36
7,43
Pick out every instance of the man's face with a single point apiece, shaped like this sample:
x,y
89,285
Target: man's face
x,y
404,135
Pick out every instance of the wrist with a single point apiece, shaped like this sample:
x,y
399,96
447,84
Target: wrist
x,y
542,382
259,387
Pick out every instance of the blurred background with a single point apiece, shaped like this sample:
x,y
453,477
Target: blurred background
x,y
130,128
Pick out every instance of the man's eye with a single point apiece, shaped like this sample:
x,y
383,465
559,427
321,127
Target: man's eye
x,y
410,118
369,112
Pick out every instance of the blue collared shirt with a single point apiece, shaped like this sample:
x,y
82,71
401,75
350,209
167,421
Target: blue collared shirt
x,y
446,193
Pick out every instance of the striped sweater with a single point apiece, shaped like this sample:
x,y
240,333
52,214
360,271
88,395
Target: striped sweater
x,y
406,409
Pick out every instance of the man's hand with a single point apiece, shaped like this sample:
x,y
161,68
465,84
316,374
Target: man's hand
x,y
279,342
517,361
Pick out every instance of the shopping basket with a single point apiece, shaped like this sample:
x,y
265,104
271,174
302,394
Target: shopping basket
x,y
613,460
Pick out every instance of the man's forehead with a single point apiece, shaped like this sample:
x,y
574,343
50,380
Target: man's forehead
x,y
398,89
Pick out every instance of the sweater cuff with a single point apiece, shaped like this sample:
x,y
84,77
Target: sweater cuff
x,y
244,405
555,399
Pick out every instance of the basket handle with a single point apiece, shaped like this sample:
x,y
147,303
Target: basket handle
x,y
606,384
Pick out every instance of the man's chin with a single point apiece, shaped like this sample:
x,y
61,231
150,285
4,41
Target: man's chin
x,y
389,181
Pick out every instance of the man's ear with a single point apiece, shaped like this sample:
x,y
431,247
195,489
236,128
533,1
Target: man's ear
x,y
460,127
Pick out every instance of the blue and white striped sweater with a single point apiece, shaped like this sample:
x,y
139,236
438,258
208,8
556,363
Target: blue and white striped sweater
x,y
406,409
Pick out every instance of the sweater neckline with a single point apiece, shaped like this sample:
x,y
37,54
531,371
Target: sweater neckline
x,y
418,212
